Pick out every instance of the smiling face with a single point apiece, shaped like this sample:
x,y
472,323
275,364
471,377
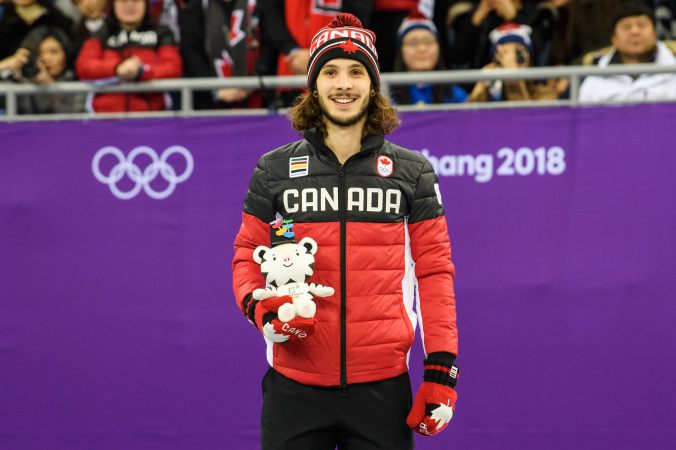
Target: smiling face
x,y
634,36
285,263
420,50
52,54
344,90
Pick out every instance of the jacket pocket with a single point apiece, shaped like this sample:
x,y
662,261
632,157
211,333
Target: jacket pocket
x,y
409,327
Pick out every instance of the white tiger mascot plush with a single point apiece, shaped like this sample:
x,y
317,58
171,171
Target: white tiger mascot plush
x,y
286,267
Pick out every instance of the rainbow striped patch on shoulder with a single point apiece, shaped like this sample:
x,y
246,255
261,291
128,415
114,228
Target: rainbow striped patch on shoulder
x,y
299,166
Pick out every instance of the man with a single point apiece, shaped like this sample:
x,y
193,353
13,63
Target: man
x,y
375,211
634,42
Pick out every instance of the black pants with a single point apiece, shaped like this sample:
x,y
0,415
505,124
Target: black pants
x,y
359,417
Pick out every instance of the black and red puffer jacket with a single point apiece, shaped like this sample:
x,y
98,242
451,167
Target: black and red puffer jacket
x,y
382,242
102,53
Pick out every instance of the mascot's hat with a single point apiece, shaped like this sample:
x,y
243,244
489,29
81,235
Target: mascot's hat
x,y
281,232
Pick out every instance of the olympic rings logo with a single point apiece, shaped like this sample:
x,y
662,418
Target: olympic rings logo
x,y
142,178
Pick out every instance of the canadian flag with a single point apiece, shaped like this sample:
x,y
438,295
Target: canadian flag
x,y
385,166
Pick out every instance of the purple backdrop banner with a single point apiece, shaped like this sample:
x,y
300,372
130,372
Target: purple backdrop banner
x,y
118,328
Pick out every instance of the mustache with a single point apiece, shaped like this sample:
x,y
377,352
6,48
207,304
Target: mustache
x,y
344,94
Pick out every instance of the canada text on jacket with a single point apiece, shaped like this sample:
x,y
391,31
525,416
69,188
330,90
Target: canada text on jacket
x,y
358,199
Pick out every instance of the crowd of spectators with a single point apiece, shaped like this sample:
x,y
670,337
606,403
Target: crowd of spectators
x,y
118,41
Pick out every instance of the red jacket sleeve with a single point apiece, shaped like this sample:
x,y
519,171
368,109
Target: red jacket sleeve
x,y
431,251
258,212
167,64
92,64
434,270
246,273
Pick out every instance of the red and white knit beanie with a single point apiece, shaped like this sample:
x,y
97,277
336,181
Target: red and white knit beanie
x,y
344,37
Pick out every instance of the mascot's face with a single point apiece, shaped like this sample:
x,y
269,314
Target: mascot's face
x,y
287,263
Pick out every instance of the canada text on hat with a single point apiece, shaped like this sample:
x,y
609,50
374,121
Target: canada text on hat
x,y
362,35
344,37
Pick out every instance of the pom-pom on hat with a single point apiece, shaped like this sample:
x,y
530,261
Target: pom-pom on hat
x,y
511,32
344,37
415,23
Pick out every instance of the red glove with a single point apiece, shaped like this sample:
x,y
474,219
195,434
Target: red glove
x,y
434,404
265,318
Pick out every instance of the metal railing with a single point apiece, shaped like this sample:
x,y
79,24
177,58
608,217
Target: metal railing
x,y
186,86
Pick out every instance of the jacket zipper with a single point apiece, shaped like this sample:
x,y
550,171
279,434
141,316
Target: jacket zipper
x,y
342,200
343,277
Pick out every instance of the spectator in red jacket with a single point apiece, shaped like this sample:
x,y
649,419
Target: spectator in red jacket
x,y
129,48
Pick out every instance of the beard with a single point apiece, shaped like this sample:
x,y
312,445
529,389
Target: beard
x,y
348,121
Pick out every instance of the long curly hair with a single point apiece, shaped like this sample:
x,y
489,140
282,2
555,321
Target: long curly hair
x,y
381,117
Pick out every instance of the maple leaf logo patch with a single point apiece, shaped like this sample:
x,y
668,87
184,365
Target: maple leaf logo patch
x,y
349,46
384,166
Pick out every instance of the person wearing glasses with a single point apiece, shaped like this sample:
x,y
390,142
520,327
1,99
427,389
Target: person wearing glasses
x,y
419,51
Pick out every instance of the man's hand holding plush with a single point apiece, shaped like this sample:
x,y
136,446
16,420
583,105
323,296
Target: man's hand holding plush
x,y
263,314
434,404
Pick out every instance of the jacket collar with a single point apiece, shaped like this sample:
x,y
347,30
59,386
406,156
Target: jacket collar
x,y
663,56
617,59
370,144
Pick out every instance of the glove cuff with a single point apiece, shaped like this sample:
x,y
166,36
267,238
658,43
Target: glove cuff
x,y
440,368
249,308
250,312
